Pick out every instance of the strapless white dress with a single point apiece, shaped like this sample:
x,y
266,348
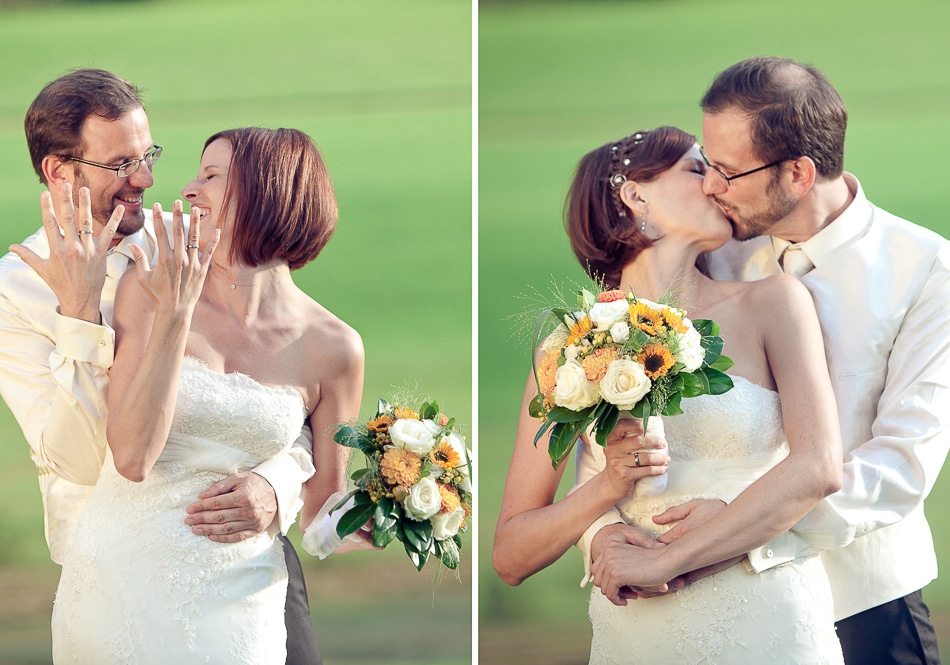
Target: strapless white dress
x,y
138,586
719,446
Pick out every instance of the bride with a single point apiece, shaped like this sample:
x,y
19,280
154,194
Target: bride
x,y
218,366
638,218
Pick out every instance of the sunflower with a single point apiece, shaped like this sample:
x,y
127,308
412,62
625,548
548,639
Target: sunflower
x,y
450,498
445,455
402,412
656,360
380,424
400,467
595,365
646,319
579,330
674,321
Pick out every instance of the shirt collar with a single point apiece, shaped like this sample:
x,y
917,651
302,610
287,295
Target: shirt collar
x,y
850,225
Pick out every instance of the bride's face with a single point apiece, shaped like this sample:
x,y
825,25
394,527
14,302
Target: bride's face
x,y
678,208
205,193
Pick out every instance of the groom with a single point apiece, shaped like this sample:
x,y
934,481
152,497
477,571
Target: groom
x,y
89,129
773,134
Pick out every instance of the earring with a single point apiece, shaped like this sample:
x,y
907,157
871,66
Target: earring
x,y
643,226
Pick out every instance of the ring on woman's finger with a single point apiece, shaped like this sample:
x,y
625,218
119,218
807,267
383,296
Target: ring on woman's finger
x,y
85,231
191,246
636,459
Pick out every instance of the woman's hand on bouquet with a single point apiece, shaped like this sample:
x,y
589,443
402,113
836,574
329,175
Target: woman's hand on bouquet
x,y
632,455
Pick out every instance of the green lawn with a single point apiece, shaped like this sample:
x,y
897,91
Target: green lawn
x,y
559,78
385,90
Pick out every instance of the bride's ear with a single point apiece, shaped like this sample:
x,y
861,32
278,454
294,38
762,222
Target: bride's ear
x,y
632,196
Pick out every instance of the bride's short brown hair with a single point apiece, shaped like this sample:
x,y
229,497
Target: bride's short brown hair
x,y
284,205
603,232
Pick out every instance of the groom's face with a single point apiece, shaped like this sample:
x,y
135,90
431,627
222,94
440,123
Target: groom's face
x,y
756,203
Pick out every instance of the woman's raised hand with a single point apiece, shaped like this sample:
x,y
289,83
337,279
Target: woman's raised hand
x,y
175,282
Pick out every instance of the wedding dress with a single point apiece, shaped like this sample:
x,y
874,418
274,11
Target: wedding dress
x,y
719,446
137,585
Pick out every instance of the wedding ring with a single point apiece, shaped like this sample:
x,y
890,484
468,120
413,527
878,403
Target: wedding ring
x,y
636,459
191,246
84,231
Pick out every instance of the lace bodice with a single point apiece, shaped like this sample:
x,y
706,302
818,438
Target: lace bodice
x,y
235,410
745,421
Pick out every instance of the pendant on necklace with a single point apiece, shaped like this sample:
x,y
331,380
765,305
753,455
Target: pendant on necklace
x,y
234,286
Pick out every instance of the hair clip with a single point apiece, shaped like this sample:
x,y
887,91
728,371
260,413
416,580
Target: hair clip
x,y
617,179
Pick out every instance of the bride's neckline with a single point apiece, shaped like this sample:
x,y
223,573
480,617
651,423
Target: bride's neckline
x,y
246,378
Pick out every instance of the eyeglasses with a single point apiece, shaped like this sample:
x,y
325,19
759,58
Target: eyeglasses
x,y
730,178
125,169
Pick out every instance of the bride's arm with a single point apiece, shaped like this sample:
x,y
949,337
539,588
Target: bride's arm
x,y
792,342
153,310
533,530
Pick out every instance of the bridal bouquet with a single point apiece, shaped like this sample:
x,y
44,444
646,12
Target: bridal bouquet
x,y
618,353
416,485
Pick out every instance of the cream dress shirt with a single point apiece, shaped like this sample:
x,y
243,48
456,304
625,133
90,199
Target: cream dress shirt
x,y
54,378
881,286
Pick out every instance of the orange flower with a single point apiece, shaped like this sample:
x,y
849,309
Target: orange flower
x,y
579,330
450,498
381,424
643,317
402,412
610,296
445,455
656,360
400,467
595,365
547,368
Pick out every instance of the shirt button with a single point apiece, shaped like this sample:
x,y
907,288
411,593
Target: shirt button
x,y
101,343
769,553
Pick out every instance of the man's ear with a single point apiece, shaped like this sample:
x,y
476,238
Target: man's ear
x,y
804,172
57,170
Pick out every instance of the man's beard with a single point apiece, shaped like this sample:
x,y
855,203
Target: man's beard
x,y
760,223
131,222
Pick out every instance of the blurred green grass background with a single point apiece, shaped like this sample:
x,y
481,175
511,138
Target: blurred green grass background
x,y
384,88
557,79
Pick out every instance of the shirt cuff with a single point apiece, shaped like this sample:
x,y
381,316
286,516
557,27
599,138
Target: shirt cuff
x,y
612,516
83,341
287,473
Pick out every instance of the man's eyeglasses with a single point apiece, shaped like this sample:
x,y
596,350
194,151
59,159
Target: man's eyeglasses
x,y
125,169
730,178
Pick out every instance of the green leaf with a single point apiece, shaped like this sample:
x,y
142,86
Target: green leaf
x,y
386,519
536,408
429,411
586,299
382,406
722,363
606,424
719,382
541,431
672,407
693,386
705,327
560,414
418,558
563,436
359,474
713,346
417,534
357,516
352,438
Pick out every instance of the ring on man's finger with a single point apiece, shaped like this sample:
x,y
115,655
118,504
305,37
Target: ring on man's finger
x,y
85,231
191,246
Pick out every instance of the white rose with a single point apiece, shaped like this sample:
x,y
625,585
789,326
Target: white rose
x,y
423,500
624,384
605,314
691,351
620,332
572,390
570,352
413,435
446,525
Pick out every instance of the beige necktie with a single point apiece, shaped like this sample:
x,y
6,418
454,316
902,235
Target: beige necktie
x,y
116,264
795,261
